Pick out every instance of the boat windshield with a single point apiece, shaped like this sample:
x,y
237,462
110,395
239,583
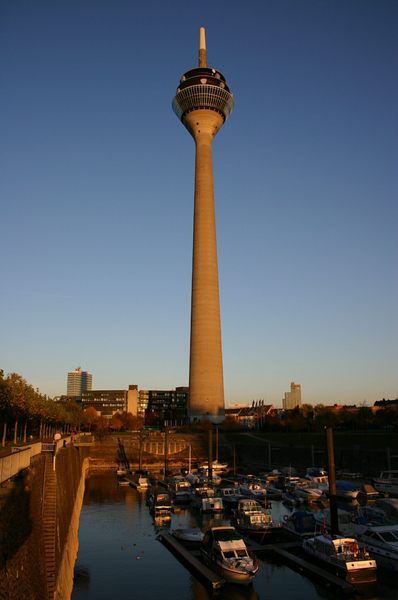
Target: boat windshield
x,y
226,535
238,553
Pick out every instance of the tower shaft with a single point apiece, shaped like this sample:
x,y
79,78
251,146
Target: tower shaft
x,y
203,102
206,384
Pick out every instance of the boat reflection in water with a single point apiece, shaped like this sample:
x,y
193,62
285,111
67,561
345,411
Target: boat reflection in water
x,y
119,555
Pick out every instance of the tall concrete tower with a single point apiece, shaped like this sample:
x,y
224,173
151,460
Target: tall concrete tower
x,y
203,102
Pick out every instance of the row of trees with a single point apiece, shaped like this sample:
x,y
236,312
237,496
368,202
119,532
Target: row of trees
x,y
120,421
316,418
25,412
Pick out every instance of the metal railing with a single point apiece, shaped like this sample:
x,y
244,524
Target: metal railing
x,y
203,96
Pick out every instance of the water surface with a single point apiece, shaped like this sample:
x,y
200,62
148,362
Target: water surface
x,y
120,557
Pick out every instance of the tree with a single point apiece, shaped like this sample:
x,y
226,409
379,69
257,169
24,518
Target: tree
x,y
90,416
5,405
116,422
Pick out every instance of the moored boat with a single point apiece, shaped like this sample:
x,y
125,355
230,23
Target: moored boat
x,y
300,524
224,551
382,543
189,536
123,481
343,556
231,497
350,522
308,494
217,467
387,482
317,476
253,488
256,522
212,504
345,490
181,491
160,505
143,483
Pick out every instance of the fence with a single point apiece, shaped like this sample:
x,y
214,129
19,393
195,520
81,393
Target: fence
x,y
20,456
19,459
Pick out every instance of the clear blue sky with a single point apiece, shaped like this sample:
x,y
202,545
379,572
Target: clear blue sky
x,y
97,194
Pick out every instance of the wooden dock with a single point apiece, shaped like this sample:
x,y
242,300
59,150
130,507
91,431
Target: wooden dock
x,y
311,569
188,558
285,551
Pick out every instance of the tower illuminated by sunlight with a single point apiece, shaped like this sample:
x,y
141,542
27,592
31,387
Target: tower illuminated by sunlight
x,y
203,102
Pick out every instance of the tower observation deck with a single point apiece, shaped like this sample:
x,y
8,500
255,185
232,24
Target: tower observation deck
x,y
203,102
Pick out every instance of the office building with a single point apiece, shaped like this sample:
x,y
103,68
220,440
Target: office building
x,y
109,402
202,103
105,402
167,407
292,399
78,382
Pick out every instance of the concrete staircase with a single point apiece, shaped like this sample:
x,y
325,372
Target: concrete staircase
x,y
49,521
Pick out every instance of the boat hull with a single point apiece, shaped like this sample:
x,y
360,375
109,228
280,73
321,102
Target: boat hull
x,y
233,575
353,568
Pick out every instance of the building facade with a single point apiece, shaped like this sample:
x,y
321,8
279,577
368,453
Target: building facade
x,y
250,417
105,402
203,102
292,399
167,407
78,382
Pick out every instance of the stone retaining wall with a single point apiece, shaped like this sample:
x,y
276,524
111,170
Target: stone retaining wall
x,y
26,565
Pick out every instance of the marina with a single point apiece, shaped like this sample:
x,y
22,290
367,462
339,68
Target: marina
x,y
120,543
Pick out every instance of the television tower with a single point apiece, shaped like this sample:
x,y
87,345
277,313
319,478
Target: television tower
x,y
203,102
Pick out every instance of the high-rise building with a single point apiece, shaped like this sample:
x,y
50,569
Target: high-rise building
x,y
203,102
78,382
292,399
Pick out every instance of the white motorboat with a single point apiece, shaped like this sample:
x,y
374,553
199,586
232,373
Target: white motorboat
x,y
382,544
343,556
308,493
247,505
387,482
224,551
256,522
212,504
317,476
190,536
217,467
253,489
143,483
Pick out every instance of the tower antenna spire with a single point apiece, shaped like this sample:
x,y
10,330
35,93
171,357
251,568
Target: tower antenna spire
x,y
202,47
